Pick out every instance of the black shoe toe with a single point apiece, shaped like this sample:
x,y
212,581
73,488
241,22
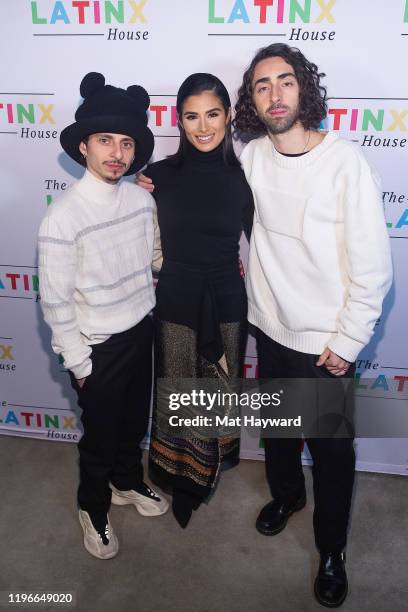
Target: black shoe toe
x,y
331,584
274,516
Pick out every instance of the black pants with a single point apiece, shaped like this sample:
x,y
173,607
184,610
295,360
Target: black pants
x,y
333,458
115,402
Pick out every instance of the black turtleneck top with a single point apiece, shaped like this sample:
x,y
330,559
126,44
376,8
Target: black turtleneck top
x,y
202,205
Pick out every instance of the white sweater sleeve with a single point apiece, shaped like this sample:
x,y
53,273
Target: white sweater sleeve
x,y
368,259
57,271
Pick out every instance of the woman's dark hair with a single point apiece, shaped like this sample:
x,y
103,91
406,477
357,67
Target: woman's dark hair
x,y
312,100
194,85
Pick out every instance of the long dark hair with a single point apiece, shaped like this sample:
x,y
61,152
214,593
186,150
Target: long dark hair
x,y
312,98
194,85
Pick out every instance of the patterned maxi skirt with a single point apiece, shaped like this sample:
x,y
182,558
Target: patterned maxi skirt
x,y
200,332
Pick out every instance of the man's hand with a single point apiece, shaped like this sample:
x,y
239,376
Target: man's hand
x,y
145,182
81,381
333,363
241,268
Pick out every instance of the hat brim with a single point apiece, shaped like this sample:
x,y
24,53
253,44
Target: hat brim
x,y
72,136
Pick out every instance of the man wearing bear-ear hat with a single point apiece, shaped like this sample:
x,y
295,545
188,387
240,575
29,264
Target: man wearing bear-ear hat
x,y
95,254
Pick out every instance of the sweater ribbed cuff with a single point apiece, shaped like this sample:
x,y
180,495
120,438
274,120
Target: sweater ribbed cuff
x,y
83,370
345,347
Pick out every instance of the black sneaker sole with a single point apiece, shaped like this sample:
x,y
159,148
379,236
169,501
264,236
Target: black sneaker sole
x,y
271,532
329,604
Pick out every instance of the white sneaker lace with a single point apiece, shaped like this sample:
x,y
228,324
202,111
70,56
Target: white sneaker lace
x,y
152,494
104,535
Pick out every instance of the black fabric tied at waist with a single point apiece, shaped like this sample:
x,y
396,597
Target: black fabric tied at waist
x,y
202,298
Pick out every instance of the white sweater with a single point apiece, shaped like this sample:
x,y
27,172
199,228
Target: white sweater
x,y
95,256
319,262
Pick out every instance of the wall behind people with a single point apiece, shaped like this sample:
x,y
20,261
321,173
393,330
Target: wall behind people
x,y
49,46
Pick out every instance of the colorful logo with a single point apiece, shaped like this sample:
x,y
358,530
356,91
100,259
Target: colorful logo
x,y
271,11
378,127
368,378
393,384
19,283
93,13
163,116
29,113
88,12
364,119
56,425
267,13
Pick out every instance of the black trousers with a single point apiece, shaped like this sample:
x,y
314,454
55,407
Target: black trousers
x,y
115,402
333,458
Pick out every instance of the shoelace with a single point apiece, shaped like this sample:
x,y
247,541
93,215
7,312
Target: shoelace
x,y
149,493
104,535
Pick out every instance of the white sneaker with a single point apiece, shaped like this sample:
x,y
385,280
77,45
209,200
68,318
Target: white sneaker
x,y
102,544
146,501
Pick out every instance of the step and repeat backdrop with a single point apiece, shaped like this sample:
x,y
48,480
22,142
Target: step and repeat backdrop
x,y
48,46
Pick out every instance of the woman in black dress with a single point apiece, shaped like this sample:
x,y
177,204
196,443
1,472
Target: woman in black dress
x,y
203,203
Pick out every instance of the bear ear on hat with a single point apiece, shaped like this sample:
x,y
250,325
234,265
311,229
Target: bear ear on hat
x,y
140,95
91,83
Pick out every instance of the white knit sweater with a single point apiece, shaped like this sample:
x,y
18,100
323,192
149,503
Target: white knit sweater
x,y
95,255
319,263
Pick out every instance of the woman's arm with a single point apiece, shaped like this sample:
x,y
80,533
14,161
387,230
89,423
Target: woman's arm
x,y
157,251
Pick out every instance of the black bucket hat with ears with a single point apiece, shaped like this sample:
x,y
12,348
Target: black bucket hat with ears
x,y
112,110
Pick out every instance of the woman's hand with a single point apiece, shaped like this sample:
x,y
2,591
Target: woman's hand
x,y
145,182
241,268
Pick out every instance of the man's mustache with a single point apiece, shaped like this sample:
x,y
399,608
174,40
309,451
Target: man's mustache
x,y
277,107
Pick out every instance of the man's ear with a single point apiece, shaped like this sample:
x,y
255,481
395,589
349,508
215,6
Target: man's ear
x,y
83,148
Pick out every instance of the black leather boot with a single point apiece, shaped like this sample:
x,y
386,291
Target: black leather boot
x,y
273,517
331,585
183,505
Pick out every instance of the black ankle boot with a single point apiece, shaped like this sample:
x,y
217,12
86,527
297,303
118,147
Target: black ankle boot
x,y
183,505
273,517
331,585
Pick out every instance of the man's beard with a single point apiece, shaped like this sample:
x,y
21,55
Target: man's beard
x,y
280,125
